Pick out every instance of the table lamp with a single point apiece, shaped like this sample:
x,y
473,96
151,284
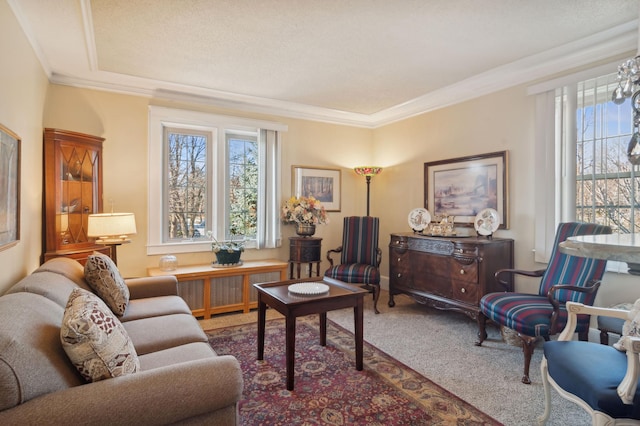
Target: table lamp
x,y
112,229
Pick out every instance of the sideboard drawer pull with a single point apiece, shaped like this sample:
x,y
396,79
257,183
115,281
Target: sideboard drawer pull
x,y
399,275
463,290
461,271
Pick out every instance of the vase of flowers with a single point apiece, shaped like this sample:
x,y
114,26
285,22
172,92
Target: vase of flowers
x,y
305,213
227,252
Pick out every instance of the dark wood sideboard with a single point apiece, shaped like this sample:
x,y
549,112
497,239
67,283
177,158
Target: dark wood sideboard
x,y
445,272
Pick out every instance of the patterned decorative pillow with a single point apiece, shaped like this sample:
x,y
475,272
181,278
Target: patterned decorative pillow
x,y
103,277
95,340
631,326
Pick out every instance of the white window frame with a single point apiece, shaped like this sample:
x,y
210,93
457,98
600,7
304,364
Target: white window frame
x,y
161,117
555,179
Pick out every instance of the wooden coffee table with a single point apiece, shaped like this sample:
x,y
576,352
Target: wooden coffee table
x,y
277,296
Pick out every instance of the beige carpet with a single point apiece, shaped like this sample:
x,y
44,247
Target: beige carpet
x,y
440,345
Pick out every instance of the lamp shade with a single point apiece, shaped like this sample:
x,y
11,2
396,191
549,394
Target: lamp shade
x,y
368,170
111,226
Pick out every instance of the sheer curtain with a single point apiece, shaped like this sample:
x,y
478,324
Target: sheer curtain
x,y
269,192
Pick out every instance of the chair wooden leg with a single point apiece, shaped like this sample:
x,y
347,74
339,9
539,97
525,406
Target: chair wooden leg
x,y
528,345
583,336
375,289
604,337
482,328
376,296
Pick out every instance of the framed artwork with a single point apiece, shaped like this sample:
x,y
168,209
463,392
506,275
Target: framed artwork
x,y
9,188
320,183
464,186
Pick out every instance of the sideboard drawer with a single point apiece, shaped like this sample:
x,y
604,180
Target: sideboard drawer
x,y
465,292
464,268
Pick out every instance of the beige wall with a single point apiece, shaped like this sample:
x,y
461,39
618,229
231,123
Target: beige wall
x,y
23,88
122,121
501,121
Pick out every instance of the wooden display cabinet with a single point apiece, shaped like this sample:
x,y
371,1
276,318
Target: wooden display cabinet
x,y
447,273
72,191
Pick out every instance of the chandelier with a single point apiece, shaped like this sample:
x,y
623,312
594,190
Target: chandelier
x,y
628,78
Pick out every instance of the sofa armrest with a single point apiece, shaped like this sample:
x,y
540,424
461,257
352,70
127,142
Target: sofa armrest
x,y
160,396
140,288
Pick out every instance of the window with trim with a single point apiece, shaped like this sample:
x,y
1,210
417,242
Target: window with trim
x,y
606,184
582,171
212,176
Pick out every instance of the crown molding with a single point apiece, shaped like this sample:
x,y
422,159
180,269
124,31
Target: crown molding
x,y
590,50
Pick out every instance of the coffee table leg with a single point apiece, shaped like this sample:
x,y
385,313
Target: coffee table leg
x,y
262,315
358,319
323,329
290,349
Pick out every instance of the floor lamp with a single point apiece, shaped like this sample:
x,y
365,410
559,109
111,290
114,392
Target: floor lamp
x,y
112,229
368,171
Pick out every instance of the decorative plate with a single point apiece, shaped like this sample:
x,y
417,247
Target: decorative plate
x,y
308,289
487,221
419,219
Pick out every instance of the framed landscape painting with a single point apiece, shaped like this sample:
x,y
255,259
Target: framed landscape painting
x,y
9,188
320,183
464,186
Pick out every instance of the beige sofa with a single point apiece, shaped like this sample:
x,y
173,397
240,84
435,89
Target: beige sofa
x,y
181,379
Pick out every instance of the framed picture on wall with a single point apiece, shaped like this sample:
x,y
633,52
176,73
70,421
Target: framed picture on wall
x,y
323,184
464,186
9,188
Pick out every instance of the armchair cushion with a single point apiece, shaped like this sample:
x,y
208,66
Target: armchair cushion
x,y
103,277
592,372
355,273
94,339
528,314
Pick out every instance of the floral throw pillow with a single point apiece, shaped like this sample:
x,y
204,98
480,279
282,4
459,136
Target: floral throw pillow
x,y
95,340
631,326
103,277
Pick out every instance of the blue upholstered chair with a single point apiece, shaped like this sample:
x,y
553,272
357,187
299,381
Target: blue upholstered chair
x,y
535,316
601,379
360,255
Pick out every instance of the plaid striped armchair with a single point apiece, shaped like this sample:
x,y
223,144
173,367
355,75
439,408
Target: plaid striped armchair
x,y
360,255
534,316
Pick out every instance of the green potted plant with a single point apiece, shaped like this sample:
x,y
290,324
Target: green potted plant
x,y
227,252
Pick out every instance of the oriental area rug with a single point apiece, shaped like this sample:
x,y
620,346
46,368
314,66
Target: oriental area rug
x,y
328,388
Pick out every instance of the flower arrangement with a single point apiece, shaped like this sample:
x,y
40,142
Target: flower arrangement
x,y
304,210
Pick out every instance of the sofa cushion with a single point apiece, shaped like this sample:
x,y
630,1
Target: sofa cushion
x,y
67,267
95,340
103,277
32,361
48,284
154,307
164,332
182,353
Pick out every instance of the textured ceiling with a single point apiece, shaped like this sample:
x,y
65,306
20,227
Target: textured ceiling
x,y
355,61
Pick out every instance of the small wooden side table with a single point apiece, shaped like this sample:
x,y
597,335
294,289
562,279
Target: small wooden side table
x,y
339,296
304,250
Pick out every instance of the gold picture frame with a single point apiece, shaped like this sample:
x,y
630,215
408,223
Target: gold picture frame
x,y
464,186
324,184
9,188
